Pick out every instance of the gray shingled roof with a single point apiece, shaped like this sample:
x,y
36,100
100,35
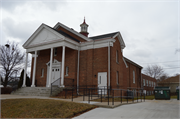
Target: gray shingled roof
x,y
128,60
103,36
64,34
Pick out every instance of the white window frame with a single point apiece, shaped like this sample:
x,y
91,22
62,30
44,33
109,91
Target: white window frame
x,y
134,76
117,77
42,72
144,82
67,71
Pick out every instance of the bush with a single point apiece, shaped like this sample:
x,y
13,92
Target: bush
x,y
6,90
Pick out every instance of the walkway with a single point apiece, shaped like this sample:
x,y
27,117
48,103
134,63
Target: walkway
x,y
165,109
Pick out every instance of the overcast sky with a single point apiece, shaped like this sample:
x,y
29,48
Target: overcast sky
x,y
150,28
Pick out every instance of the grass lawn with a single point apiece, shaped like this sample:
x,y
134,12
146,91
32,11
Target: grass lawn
x,y
41,108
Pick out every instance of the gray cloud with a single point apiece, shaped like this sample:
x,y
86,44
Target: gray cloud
x,y
149,29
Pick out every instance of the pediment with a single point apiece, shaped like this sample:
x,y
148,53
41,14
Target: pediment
x,y
43,35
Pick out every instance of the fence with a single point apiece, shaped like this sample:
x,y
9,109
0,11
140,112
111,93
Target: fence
x,y
105,92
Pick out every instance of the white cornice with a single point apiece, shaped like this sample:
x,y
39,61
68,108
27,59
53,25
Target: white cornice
x,y
122,44
72,31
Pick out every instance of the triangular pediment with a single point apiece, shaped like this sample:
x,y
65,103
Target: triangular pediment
x,y
43,35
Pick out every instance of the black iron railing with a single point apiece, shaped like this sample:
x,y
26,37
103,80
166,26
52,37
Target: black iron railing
x,y
105,92
55,83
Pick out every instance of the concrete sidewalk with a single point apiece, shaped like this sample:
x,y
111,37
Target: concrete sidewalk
x,y
78,100
151,109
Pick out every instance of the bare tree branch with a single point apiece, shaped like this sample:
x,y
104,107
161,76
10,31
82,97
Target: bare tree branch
x,y
11,61
154,71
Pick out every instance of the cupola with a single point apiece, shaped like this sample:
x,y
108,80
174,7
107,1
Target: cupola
x,y
84,28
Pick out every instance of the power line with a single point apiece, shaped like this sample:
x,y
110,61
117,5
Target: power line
x,y
162,62
171,68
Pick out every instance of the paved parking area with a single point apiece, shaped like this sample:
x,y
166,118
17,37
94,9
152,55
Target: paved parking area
x,y
151,109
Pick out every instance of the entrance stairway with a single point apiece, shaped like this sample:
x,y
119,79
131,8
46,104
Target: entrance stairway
x,y
38,91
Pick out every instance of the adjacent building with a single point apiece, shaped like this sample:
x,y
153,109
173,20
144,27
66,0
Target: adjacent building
x,y
172,82
148,84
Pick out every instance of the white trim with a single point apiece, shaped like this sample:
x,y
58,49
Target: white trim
x,y
34,70
72,31
41,27
63,62
50,67
109,65
121,41
125,62
25,70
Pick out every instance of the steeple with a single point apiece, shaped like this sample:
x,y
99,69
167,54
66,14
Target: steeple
x,y
84,28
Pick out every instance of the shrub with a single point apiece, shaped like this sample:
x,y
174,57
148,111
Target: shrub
x,y
6,90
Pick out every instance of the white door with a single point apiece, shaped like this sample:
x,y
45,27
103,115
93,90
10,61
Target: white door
x,y
102,82
55,73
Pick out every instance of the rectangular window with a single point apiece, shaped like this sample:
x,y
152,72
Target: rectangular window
x,y
55,51
149,83
67,70
42,72
133,76
144,82
117,57
152,84
117,77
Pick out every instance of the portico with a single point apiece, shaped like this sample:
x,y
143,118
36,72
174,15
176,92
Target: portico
x,y
45,39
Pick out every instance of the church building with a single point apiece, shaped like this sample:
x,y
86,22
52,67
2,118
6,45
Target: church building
x,y
73,58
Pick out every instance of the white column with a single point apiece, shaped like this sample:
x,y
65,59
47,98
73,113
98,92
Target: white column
x,y
63,62
109,65
25,70
34,70
50,68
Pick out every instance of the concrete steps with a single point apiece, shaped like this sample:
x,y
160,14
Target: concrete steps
x,y
38,91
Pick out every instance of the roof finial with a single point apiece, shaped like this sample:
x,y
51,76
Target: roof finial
x,y
84,20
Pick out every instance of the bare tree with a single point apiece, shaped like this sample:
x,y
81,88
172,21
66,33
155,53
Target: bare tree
x,y
11,61
154,71
164,76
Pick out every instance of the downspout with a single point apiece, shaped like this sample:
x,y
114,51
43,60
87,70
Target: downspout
x,y
109,65
78,72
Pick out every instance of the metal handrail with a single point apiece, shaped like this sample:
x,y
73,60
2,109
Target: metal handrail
x,y
54,82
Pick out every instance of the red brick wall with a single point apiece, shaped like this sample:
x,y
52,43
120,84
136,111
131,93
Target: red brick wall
x,y
91,62
116,66
44,57
148,88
